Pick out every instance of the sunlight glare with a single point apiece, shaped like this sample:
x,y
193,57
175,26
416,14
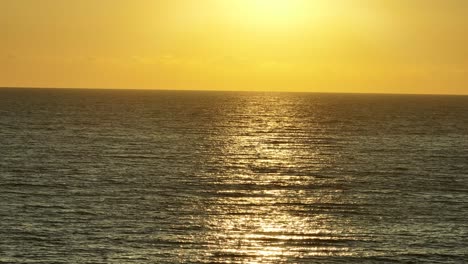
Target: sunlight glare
x,y
275,13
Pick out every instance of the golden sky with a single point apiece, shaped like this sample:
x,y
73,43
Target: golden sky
x,y
391,46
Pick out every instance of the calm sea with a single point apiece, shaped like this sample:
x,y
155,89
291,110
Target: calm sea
x,y
108,176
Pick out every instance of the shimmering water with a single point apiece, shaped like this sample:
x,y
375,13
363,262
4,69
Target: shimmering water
x,y
95,176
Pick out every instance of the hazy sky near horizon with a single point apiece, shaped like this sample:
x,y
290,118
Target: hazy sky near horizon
x,y
391,46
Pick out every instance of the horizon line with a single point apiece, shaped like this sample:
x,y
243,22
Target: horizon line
x,y
226,90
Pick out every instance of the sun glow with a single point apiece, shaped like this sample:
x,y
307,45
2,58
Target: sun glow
x,y
275,13
371,46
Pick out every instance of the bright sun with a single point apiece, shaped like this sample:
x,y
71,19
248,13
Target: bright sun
x,y
273,13
275,9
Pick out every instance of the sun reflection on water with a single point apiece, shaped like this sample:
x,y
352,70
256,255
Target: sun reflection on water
x,y
271,206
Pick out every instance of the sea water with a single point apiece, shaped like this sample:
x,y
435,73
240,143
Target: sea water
x,y
114,176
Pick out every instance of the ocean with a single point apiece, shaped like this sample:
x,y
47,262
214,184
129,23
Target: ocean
x,y
133,176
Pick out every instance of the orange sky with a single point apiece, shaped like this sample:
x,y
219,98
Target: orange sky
x,y
390,46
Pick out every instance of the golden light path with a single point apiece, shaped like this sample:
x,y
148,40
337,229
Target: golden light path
x,y
253,219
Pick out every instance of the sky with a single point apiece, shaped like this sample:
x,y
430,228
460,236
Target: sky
x,y
376,46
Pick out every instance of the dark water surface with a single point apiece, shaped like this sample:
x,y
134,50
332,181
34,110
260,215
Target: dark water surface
x,y
96,176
